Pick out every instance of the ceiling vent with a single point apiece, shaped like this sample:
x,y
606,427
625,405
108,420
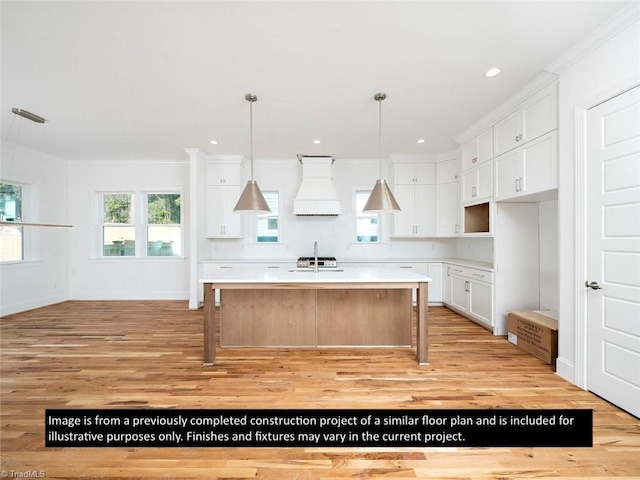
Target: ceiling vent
x,y
317,195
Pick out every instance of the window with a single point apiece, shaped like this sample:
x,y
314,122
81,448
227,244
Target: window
x,y
118,228
11,237
126,228
267,224
164,231
367,224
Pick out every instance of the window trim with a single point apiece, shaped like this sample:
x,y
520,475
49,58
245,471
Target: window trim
x,y
358,215
28,241
267,216
140,219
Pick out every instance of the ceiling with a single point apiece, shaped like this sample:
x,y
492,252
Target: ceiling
x,y
144,80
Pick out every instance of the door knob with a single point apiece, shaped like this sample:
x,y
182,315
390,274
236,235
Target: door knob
x,y
592,285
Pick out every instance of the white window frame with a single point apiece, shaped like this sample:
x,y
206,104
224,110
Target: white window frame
x,y
359,215
140,223
267,216
29,241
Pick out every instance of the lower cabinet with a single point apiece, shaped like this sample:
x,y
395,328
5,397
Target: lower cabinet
x,y
430,269
469,291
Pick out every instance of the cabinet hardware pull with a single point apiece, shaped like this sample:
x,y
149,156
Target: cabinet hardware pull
x,y
474,160
478,275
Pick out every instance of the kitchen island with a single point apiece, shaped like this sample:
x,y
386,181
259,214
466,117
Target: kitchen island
x,y
303,308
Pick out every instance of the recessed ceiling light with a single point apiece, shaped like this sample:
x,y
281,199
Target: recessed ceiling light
x,y
213,142
421,140
317,142
492,72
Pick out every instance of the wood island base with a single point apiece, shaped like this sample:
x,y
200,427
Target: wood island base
x,y
315,315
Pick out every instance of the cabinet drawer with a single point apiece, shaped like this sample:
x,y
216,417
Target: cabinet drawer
x,y
470,273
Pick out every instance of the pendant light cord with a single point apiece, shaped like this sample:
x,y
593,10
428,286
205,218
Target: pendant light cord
x,y
380,136
251,135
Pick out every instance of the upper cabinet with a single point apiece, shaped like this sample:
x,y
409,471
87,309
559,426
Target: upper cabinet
x,y
527,170
533,118
415,191
223,191
223,173
477,150
477,168
421,173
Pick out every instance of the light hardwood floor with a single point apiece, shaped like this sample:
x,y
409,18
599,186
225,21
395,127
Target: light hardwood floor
x,y
148,354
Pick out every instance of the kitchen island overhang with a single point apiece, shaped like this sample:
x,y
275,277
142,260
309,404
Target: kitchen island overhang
x,y
305,308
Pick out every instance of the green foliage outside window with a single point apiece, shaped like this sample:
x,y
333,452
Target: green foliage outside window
x,y
163,208
118,208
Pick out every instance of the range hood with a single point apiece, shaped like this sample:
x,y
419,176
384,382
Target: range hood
x,y
317,195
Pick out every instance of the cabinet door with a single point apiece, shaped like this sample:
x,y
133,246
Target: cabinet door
x,y
221,221
435,286
404,221
425,210
404,174
507,133
539,114
469,185
485,146
469,154
485,181
215,211
480,301
539,164
232,221
425,173
446,280
459,294
215,174
506,174
447,172
223,174
447,209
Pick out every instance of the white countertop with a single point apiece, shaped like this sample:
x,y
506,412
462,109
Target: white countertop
x,y
260,261
297,276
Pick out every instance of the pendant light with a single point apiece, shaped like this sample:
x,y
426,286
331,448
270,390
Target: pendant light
x,y
381,199
251,200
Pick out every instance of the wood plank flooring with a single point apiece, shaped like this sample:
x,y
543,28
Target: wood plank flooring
x,y
149,354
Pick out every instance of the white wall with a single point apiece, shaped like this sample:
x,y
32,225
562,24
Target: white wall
x,y
94,277
548,243
604,71
42,279
335,235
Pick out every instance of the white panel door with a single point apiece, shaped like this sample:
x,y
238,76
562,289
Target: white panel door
x,y
613,250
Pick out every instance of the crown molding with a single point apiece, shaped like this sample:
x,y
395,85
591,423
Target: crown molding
x,y
610,28
506,107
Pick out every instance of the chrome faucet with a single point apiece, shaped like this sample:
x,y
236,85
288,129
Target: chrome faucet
x,y
315,256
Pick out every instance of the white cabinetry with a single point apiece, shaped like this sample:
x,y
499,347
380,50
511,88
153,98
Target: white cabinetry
x,y
415,191
447,203
533,118
469,291
223,192
477,183
477,168
529,169
477,150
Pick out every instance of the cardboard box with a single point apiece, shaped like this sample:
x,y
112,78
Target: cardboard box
x,y
534,333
